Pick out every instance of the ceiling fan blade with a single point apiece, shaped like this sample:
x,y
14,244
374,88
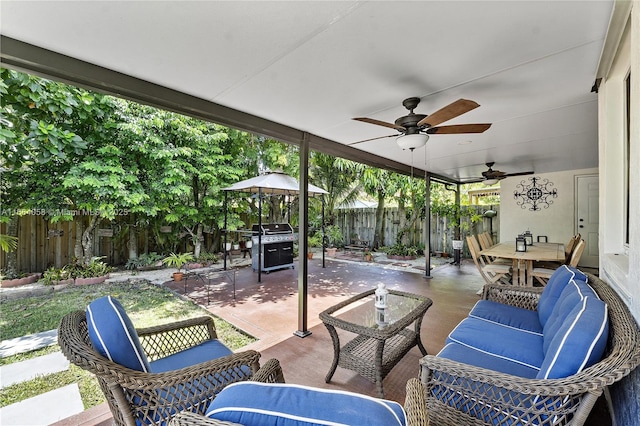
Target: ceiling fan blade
x,y
372,139
379,123
452,110
459,128
519,174
472,180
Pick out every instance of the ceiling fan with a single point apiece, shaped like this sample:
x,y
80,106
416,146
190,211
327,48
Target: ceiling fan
x,y
490,177
415,128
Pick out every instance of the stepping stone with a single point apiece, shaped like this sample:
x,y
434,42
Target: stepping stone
x,y
44,409
28,343
31,368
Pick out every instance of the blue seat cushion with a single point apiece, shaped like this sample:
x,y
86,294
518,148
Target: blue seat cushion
x,y
518,346
113,335
253,404
508,315
580,341
479,358
552,291
203,352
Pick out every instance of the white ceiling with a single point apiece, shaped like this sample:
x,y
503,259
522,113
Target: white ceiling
x,y
313,65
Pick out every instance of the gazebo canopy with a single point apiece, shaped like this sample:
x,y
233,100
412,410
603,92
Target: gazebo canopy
x,y
276,183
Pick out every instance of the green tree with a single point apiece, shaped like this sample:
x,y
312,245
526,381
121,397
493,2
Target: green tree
x,y
339,177
186,162
46,128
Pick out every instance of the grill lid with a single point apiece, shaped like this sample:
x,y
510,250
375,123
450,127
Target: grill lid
x,y
273,229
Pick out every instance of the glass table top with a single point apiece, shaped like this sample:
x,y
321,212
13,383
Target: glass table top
x,y
363,312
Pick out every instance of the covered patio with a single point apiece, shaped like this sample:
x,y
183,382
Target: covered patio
x,y
550,78
266,310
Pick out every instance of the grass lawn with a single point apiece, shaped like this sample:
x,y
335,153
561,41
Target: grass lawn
x,y
146,304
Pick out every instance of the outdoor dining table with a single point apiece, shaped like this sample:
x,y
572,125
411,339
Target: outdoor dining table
x,y
523,260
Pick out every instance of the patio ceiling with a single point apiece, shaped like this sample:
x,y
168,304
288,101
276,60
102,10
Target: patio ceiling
x,y
313,65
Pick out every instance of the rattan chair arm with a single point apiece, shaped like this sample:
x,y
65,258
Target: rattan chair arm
x,y
587,380
270,372
192,419
415,405
522,297
198,373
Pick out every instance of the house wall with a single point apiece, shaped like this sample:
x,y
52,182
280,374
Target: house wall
x,y
557,221
619,262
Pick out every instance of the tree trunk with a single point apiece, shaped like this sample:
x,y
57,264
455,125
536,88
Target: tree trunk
x,y
12,256
197,244
87,240
133,242
378,234
77,248
405,224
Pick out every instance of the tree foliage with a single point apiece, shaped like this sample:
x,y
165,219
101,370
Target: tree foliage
x,y
72,154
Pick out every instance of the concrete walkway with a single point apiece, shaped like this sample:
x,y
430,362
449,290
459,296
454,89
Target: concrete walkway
x,y
43,409
48,407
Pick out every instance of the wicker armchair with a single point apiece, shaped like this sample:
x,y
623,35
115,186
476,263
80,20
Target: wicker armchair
x,y
509,399
154,398
415,405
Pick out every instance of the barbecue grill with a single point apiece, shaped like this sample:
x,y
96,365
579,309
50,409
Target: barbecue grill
x,y
276,246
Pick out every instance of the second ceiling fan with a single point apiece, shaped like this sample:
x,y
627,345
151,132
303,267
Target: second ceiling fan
x,y
422,124
491,176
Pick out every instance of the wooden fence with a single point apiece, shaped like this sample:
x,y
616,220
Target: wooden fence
x,y
42,244
360,223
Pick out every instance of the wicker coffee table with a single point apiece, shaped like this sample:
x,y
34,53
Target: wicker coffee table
x,y
383,336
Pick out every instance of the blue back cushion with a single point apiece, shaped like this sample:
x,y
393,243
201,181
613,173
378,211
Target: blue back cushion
x,y
253,404
552,291
572,295
113,335
580,341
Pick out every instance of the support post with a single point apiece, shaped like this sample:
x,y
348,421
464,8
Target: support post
x,y
260,234
303,243
427,228
456,232
323,236
224,243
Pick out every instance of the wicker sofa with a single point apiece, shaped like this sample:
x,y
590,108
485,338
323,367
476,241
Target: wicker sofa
x,y
471,392
153,395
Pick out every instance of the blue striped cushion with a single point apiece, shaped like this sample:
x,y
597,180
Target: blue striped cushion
x,y
579,343
554,288
113,335
253,403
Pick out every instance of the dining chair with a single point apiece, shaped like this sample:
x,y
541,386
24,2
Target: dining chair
x,y
568,251
491,272
486,242
571,245
542,275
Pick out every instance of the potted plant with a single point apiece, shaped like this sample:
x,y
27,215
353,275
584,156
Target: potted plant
x,y
334,235
177,260
368,257
314,241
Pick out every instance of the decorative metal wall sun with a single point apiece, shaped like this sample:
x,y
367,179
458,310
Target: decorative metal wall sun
x,y
538,193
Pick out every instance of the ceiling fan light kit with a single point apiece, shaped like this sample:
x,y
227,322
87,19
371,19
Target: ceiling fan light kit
x,y
489,182
414,141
